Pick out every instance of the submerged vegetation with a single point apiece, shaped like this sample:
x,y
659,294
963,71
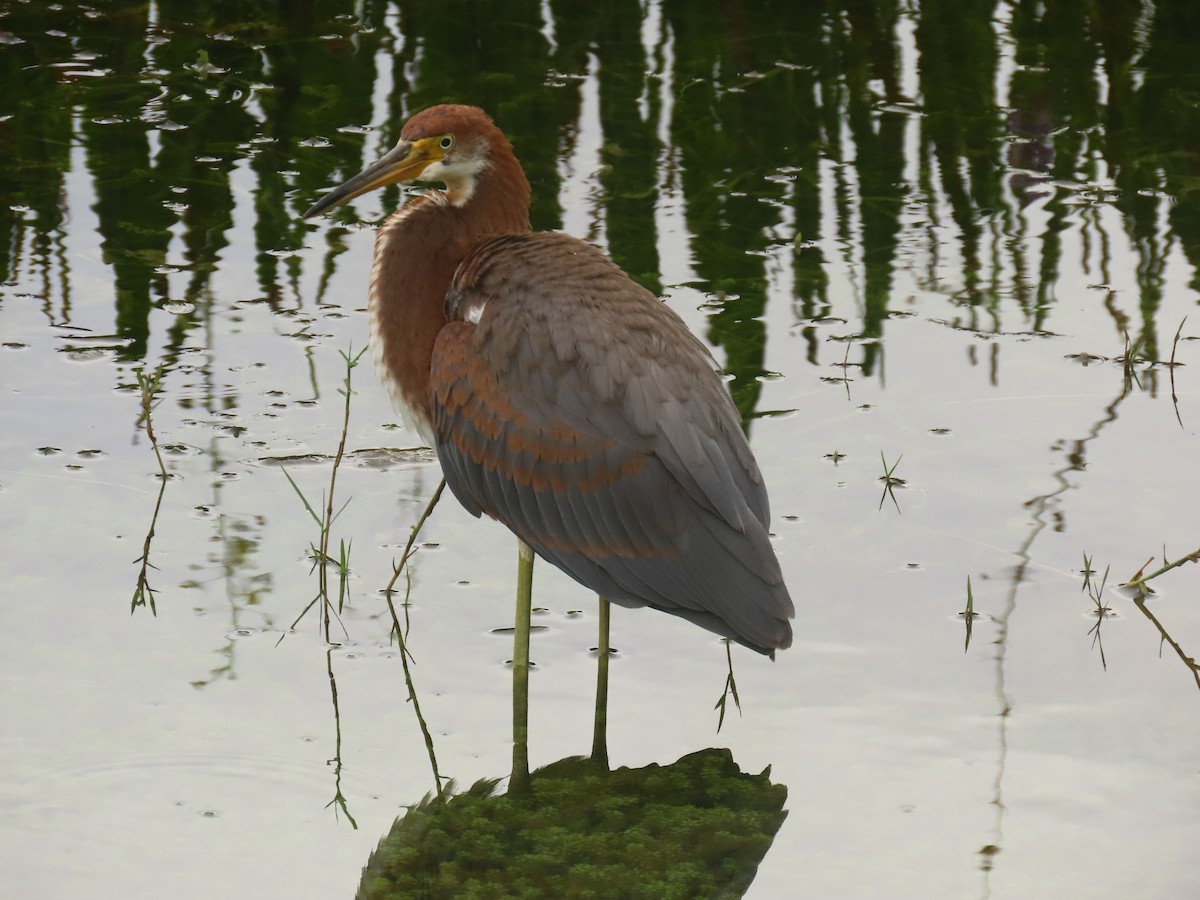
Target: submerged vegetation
x,y
697,828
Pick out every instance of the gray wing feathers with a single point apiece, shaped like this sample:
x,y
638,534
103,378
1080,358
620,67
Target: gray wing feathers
x,y
646,490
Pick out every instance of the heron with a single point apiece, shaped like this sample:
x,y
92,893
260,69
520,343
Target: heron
x,y
562,398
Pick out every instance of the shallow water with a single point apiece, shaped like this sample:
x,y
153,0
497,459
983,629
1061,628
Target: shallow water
x,y
926,239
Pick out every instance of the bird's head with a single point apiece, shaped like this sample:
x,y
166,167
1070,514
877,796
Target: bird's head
x,y
448,144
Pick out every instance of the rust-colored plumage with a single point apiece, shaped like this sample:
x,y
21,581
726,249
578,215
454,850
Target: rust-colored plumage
x,y
562,398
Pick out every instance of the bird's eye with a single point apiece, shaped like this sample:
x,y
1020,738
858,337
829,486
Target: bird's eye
x,y
446,142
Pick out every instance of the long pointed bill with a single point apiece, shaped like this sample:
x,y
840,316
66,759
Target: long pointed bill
x,y
403,163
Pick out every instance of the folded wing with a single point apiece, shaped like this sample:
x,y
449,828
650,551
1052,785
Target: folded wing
x,y
577,409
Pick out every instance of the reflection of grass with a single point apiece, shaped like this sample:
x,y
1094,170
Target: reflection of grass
x,y
339,799
1102,610
323,561
890,480
321,558
143,593
401,635
969,615
1129,360
1141,590
1139,581
730,689
1094,590
696,828
1171,367
410,549
1132,356
1189,661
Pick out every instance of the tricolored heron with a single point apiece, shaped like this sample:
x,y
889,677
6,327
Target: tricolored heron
x,y
563,399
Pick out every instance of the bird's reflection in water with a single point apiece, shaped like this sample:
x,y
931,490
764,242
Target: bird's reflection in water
x,y
698,827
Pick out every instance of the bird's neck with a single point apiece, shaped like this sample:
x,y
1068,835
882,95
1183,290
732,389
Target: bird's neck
x,y
417,251
498,201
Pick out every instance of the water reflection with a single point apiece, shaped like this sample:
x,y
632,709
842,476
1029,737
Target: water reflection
x,y
831,144
1048,511
1012,171
143,592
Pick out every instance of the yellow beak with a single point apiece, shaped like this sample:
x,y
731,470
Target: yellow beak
x,y
404,163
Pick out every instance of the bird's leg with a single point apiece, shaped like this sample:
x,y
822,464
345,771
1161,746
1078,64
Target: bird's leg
x,y
519,780
600,725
